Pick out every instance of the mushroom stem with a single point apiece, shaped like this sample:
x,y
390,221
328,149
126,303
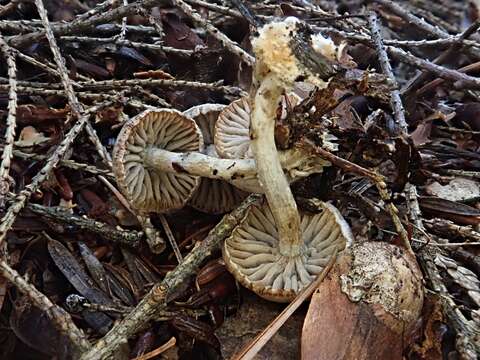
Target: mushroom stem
x,y
199,164
270,172
242,173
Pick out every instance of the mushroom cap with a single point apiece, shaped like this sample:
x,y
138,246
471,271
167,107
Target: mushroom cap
x,y
212,196
252,254
232,130
147,189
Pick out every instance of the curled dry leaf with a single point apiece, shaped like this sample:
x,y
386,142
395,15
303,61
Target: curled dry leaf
x,y
366,308
456,190
29,136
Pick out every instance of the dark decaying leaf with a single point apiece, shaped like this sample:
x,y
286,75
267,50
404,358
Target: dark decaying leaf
x,y
120,285
79,279
451,210
94,267
35,329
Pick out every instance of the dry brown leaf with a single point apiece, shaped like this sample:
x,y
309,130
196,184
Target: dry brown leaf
x,y
29,136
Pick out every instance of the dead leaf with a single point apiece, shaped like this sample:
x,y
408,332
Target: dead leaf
x,y
451,210
29,136
458,189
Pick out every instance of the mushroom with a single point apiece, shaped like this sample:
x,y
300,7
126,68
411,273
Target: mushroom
x,y
232,129
280,267
212,196
253,253
146,188
157,162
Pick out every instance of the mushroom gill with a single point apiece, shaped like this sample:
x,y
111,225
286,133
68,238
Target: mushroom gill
x,y
252,252
148,189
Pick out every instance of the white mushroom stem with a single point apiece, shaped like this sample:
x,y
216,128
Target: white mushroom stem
x,y
241,173
270,172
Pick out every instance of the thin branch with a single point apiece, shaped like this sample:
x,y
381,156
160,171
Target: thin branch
x,y
171,238
124,42
129,238
67,163
212,30
78,26
24,195
441,71
431,30
395,100
75,105
11,121
104,154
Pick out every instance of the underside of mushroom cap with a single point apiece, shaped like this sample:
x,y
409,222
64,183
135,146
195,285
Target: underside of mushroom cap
x,y
232,130
147,189
205,116
252,254
212,196
232,138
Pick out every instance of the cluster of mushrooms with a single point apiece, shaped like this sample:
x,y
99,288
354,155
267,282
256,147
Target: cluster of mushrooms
x,y
212,155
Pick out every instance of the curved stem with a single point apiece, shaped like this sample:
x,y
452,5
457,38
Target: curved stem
x,y
241,173
270,173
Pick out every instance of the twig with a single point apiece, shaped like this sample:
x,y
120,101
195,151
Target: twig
x,y
57,315
249,351
437,82
67,163
171,238
466,330
112,84
412,19
441,71
75,105
429,29
156,23
157,351
124,42
349,166
399,114
61,92
92,135
81,25
444,227
215,7
442,58
393,211
465,173
212,30
11,121
395,100
118,84
123,31
130,238
158,296
24,195
99,8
